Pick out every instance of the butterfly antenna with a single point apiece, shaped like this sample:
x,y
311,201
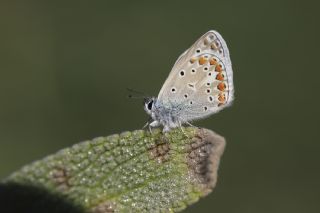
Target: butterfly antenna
x,y
139,94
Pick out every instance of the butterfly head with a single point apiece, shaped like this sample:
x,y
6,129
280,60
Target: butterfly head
x,y
149,104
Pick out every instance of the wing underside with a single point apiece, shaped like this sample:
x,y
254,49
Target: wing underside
x,y
201,80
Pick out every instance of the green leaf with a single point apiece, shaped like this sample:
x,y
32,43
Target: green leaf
x,y
132,172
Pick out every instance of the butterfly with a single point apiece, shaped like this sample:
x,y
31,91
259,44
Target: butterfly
x,y
199,85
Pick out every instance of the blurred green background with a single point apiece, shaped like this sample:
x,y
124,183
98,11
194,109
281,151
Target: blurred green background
x,y
65,67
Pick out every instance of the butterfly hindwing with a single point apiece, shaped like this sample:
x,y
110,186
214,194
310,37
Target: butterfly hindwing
x,y
201,81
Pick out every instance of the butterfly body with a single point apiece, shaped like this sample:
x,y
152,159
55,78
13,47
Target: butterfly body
x,y
163,114
200,84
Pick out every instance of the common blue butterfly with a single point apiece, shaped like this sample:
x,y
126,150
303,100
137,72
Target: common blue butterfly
x,y
199,85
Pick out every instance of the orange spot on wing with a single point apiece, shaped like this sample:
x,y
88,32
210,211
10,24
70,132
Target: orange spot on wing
x,y
202,60
221,86
220,77
192,60
213,61
222,98
218,68
214,46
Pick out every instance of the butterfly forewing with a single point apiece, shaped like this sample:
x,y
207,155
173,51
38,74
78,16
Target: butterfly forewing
x,y
201,81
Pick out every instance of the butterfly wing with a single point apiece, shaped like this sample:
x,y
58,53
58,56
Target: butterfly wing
x,y
201,80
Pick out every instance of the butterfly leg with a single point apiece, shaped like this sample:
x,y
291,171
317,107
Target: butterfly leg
x,y
153,124
145,126
181,128
190,124
148,124
150,130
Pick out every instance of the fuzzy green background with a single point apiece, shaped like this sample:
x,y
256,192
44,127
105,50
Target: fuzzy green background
x,y
65,67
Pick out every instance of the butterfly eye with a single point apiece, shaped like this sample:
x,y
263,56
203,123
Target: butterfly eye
x,y
150,105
